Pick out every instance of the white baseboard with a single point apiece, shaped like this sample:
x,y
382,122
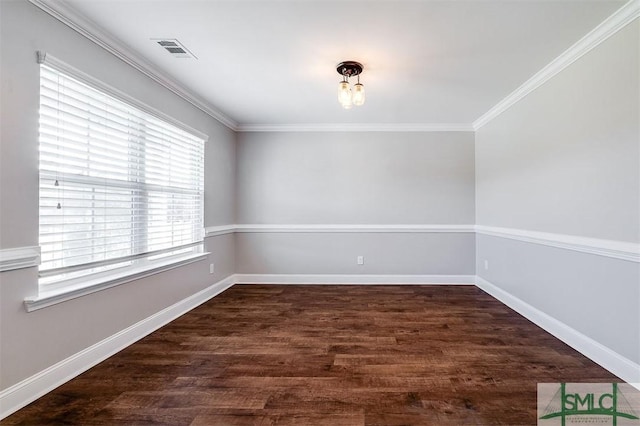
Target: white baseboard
x,y
32,388
352,279
622,367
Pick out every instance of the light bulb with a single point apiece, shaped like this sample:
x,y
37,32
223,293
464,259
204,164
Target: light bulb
x,y
358,94
344,94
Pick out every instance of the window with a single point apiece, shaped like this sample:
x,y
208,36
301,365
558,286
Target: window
x,y
118,185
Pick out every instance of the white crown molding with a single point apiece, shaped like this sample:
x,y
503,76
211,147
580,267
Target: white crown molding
x,y
618,20
354,228
358,127
80,23
83,25
316,228
354,279
609,248
19,257
32,388
600,354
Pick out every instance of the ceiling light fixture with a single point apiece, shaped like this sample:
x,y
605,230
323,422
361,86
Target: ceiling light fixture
x,y
346,96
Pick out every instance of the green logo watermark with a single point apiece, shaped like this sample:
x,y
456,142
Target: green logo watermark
x,y
617,404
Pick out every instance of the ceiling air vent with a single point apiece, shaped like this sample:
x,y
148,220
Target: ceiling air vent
x,y
174,47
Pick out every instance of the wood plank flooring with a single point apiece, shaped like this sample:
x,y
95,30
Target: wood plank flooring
x,y
325,355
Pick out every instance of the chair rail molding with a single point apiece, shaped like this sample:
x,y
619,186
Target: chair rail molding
x,y
19,257
609,248
338,228
615,249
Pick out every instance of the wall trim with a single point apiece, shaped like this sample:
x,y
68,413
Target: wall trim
x,y
353,279
32,388
89,29
358,127
321,228
213,231
19,257
618,20
608,248
622,367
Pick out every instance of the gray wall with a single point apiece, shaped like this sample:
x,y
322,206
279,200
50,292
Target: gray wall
x,y
336,253
566,159
30,342
355,178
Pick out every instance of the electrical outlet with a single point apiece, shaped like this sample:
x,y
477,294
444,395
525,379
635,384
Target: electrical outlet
x,y
486,265
212,268
360,260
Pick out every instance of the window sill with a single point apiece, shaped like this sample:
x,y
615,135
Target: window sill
x,y
92,285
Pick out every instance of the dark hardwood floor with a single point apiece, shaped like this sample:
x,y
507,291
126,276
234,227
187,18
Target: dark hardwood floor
x,y
325,355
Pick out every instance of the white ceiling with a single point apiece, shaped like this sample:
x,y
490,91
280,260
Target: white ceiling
x,y
273,61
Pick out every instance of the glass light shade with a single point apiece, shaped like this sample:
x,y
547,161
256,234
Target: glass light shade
x,y
344,94
358,94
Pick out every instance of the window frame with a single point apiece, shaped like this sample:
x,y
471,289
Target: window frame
x,y
55,289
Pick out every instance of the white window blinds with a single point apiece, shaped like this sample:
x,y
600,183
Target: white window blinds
x,y
116,182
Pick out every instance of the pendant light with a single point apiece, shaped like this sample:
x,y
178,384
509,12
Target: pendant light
x,y
346,96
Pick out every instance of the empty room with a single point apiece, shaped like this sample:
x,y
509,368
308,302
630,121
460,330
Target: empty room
x,y
349,212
